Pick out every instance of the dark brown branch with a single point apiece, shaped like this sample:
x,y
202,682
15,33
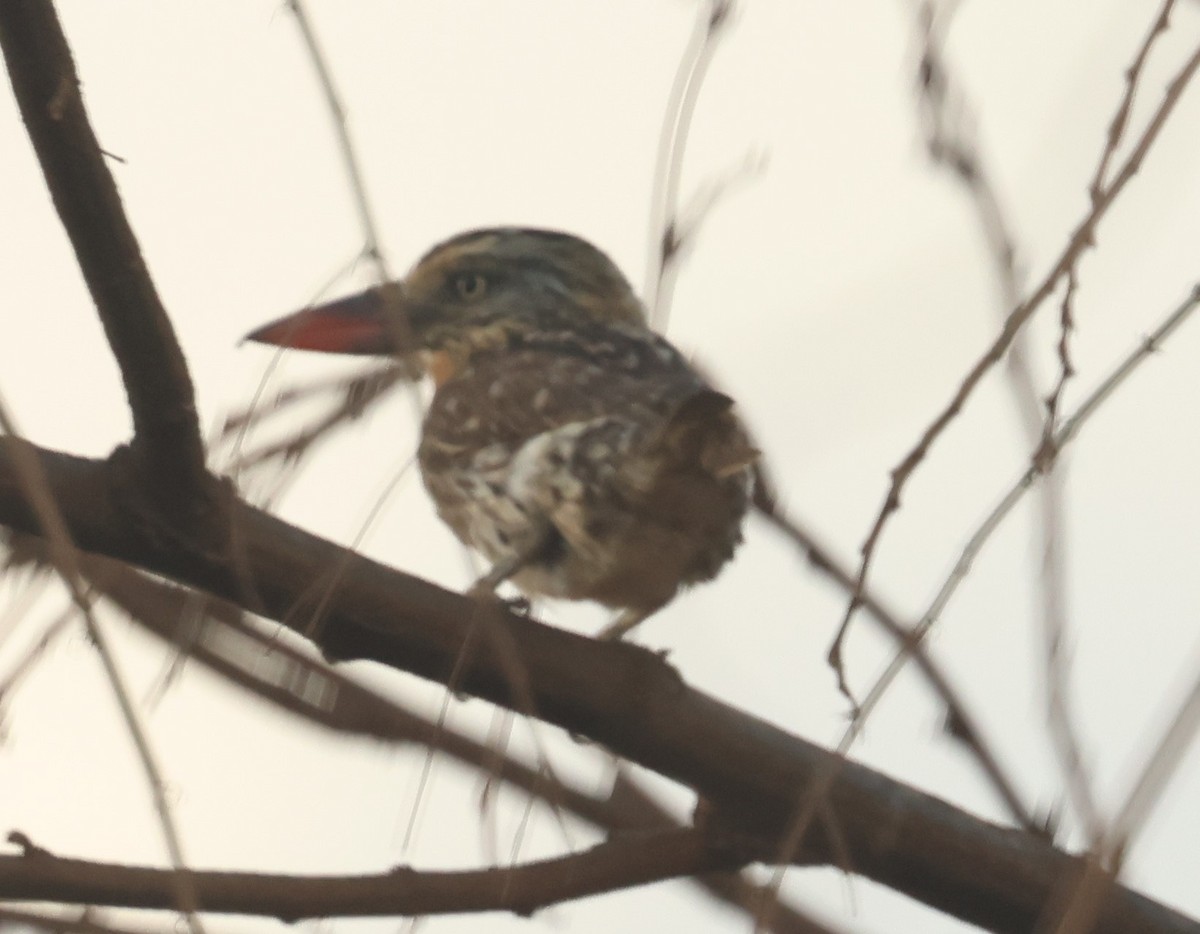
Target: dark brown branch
x,y
217,635
617,864
222,639
619,695
46,85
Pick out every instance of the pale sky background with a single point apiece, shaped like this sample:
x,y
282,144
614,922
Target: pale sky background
x,y
840,296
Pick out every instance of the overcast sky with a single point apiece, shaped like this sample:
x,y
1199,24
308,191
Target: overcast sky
x,y
839,295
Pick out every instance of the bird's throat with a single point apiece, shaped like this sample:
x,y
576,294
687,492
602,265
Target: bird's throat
x,y
441,365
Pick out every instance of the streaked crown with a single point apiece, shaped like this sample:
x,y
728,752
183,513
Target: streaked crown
x,y
515,278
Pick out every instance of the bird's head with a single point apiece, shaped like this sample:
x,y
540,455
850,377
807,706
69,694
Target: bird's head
x,y
476,290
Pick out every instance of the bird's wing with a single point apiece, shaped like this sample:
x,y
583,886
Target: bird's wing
x,y
507,399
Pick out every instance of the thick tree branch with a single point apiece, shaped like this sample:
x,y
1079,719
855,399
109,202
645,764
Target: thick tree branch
x,y
46,86
617,864
220,637
622,696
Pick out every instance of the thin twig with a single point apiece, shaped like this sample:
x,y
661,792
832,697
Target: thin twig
x,y
619,863
908,638
1082,238
363,386
371,248
30,657
1066,433
953,146
1066,741
358,188
665,237
1112,844
1160,766
222,639
1120,120
355,396
63,556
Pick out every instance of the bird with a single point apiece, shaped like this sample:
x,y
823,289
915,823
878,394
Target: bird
x,y
568,443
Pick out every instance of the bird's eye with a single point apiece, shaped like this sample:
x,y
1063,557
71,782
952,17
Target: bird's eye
x,y
469,285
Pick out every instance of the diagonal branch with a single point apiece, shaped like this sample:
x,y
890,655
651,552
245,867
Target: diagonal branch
x,y
964,726
617,864
1080,240
32,486
216,634
622,696
46,85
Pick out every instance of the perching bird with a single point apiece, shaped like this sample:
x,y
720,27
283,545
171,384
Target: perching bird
x,y
567,442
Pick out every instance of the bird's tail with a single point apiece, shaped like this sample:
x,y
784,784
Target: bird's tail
x,y
703,430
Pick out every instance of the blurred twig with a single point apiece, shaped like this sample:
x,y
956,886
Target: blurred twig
x,y
64,557
954,145
25,664
353,396
219,636
371,250
908,640
1066,433
86,921
667,238
1081,239
1054,629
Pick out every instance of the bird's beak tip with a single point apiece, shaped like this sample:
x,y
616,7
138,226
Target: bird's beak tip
x,y
353,325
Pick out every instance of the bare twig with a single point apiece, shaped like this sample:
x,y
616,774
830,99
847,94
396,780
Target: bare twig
x,y
63,556
1066,433
1067,744
1160,766
1120,120
358,188
223,640
1087,891
908,638
619,863
355,396
665,236
1080,240
1066,741
364,388
952,145
371,248
25,664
